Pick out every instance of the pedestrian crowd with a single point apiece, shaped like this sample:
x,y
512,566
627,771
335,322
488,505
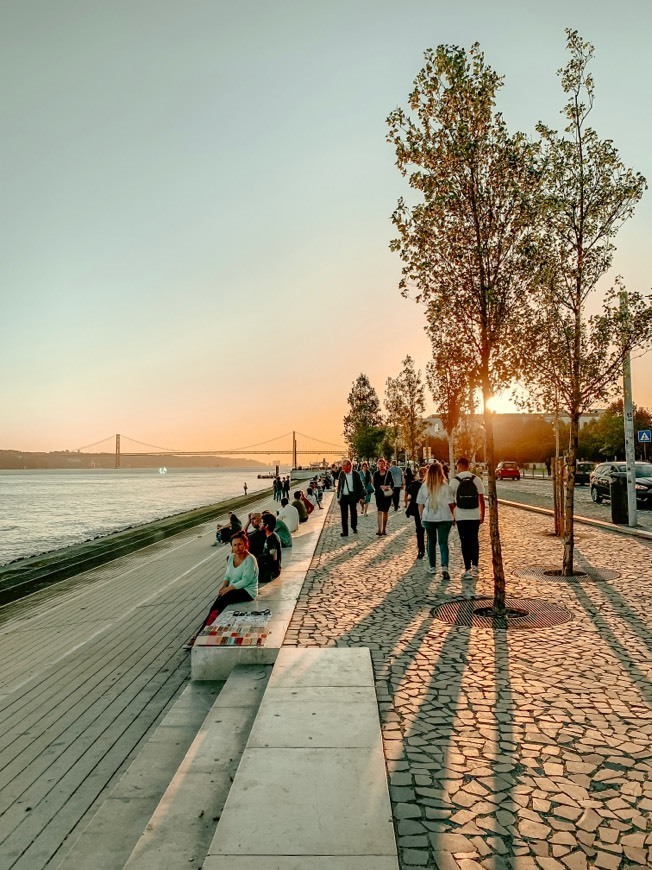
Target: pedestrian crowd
x,y
435,500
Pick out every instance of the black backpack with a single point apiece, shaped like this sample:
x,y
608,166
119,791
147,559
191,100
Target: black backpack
x,y
466,496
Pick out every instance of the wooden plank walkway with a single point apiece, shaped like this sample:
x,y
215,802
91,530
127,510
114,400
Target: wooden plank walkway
x,y
87,670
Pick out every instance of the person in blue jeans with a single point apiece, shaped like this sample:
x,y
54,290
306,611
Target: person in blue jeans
x,y
436,504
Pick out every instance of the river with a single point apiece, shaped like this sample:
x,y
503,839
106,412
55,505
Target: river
x,y
41,511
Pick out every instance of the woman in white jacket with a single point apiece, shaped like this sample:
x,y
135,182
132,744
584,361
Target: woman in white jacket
x,y
436,505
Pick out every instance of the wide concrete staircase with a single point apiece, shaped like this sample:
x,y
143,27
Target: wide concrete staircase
x,y
286,772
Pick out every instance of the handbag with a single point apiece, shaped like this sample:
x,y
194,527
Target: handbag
x,y
387,490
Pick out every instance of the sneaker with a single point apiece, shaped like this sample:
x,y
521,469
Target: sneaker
x,y
355,531
444,574
467,575
431,570
420,555
344,534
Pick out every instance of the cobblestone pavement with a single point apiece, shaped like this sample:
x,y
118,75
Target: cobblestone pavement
x,y
524,749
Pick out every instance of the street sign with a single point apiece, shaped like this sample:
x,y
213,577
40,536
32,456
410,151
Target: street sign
x,y
644,436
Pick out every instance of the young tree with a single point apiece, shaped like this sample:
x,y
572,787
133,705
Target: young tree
x,y
588,193
394,407
406,404
464,245
364,411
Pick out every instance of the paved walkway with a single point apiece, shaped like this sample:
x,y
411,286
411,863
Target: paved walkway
x,y
526,749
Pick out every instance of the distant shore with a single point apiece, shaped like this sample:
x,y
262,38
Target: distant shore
x,y
15,460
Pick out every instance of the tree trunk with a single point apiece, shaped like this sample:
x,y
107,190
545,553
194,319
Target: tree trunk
x,y
494,530
569,521
451,452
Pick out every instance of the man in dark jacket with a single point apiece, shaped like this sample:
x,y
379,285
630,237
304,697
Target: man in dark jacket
x,y
269,561
350,491
412,510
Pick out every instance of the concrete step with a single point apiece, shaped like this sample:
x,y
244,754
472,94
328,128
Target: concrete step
x,y
180,830
311,789
109,837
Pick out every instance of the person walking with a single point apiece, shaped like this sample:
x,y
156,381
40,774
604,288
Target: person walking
x,y
244,486
467,491
383,489
397,483
365,477
349,492
412,509
436,505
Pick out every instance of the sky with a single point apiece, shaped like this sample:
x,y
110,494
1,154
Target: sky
x,y
196,202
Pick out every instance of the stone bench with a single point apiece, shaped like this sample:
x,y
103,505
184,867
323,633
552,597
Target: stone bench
x,y
311,788
210,662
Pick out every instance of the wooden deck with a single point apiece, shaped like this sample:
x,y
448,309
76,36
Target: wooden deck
x,y
87,670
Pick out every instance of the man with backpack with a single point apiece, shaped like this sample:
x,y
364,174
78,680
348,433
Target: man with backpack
x,y
468,492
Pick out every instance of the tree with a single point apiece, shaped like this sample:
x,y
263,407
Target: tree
x,y
465,244
588,193
367,441
393,402
364,412
604,437
405,402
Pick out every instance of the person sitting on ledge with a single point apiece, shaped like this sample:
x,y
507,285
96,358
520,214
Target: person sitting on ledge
x,y
269,563
225,533
298,504
256,535
290,516
240,581
281,530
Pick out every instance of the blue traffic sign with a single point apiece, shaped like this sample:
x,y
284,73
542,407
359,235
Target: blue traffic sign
x,y
644,436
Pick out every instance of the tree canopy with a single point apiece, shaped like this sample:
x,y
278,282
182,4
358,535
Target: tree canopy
x,y
466,242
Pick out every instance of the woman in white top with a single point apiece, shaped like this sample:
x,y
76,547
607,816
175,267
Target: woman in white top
x,y
436,505
240,581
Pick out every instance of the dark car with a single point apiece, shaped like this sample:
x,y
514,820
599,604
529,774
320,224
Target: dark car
x,y
583,473
602,476
508,471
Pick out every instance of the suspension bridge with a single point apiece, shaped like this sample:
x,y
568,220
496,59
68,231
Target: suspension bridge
x,y
294,444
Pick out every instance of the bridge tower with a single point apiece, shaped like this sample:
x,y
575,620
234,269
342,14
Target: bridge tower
x,y
117,451
294,450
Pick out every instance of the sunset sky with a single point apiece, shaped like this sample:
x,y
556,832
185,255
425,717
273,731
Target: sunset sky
x,y
196,201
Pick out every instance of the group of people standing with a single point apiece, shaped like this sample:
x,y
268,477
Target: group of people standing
x,y
281,487
435,501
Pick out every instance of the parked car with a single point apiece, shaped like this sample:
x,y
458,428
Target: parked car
x,y
508,471
602,476
583,473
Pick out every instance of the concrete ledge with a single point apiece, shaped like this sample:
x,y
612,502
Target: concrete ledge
x,y
311,789
180,830
280,596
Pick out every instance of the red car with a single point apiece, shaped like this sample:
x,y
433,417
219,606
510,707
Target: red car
x,y
508,471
